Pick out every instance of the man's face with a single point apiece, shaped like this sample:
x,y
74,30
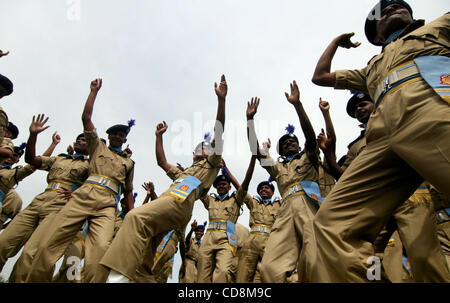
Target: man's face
x,y
393,17
199,233
290,147
117,139
223,187
80,145
363,109
265,192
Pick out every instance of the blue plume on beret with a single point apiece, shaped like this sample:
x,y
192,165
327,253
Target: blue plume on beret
x,y
134,196
290,129
270,179
131,123
224,171
207,137
23,145
204,223
353,92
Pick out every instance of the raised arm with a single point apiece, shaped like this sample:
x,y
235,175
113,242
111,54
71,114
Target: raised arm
x,y
322,75
150,189
89,106
129,199
37,126
55,141
328,147
232,178
159,148
3,53
248,175
308,131
252,108
219,127
325,109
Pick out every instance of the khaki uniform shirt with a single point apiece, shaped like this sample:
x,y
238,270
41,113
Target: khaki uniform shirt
x,y
61,168
396,53
260,212
194,247
226,210
108,163
298,169
10,177
354,149
11,206
205,170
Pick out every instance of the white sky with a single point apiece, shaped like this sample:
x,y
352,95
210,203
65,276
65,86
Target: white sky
x,y
159,61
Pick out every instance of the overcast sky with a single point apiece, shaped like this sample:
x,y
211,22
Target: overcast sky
x,y
159,61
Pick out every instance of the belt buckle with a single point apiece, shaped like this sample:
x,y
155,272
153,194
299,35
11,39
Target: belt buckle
x,y
103,181
387,86
55,186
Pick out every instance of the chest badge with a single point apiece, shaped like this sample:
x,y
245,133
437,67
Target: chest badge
x,y
445,79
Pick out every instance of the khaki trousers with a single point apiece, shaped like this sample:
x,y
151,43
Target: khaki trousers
x,y
215,258
190,275
252,254
139,227
70,270
14,237
286,239
87,202
407,141
443,232
393,262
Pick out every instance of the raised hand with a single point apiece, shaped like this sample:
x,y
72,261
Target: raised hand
x,y
194,224
96,85
265,147
3,54
37,124
56,139
345,41
326,143
324,105
149,187
161,128
70,150
128,151
294,97
252,107
222,88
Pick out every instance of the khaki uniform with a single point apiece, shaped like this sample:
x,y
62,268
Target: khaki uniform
x,y
393,261
215,257
413,219
158,217
191,262
10,177
163,263
76,249
242,234
286,238
11,206
441,204
89,201
32,222
407,140
3,124
262,217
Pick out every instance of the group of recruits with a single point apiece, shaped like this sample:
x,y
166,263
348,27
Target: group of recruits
x,y
387,198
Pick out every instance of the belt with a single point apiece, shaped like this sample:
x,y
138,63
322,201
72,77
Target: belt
x,y
396,77
104,182
261,228
57,184
217,225
293,189
442,215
